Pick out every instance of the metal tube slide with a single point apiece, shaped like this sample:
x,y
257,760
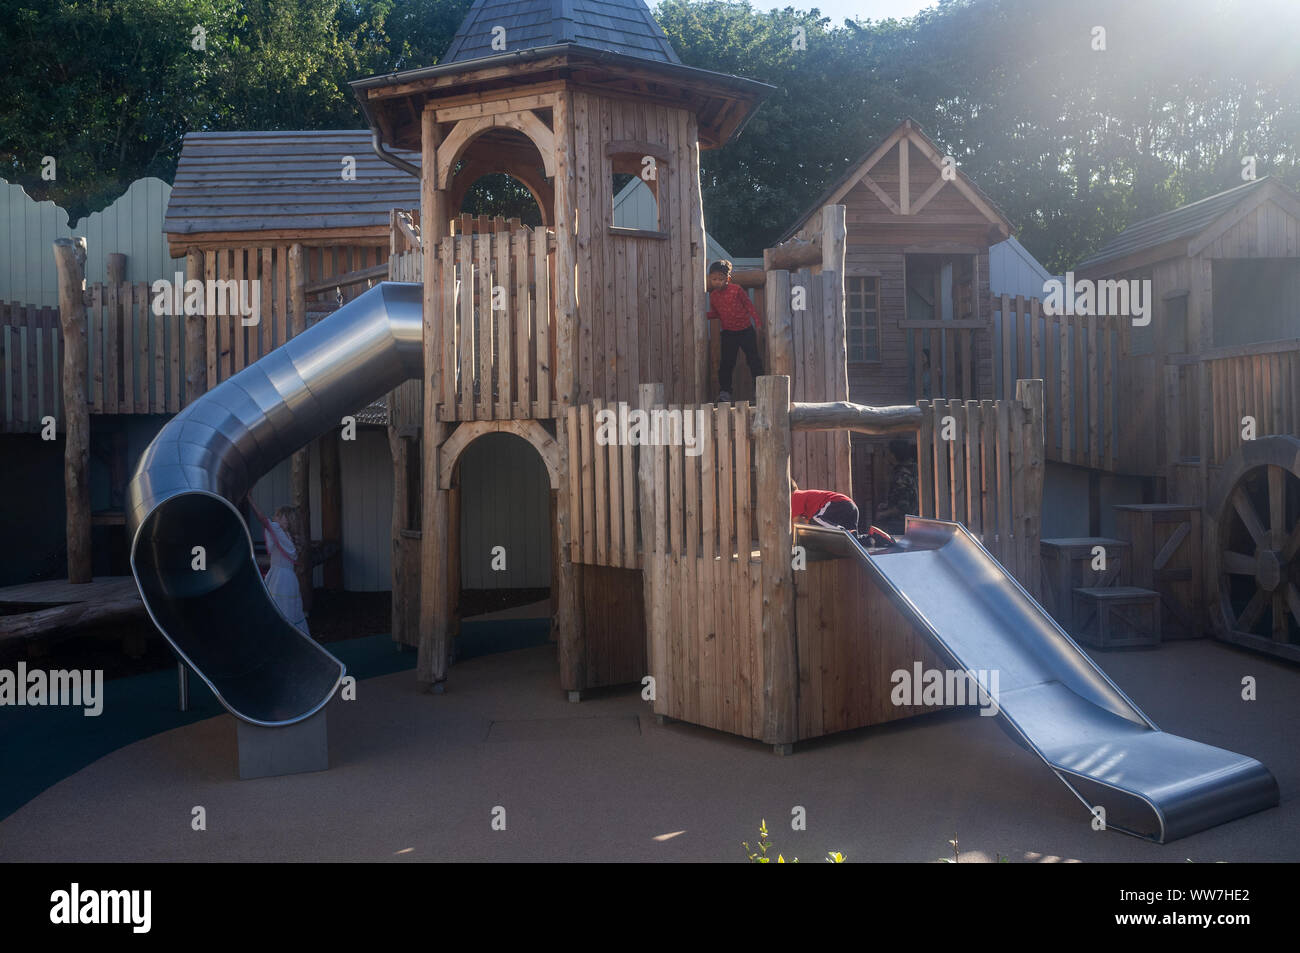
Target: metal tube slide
x,y
191,553
1049,694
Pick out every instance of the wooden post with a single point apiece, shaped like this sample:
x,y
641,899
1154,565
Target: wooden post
x,y
116,268
331,507
196,336
1030,395
652,395
780,662
70,260
569,632
834,234
300,464
566,314
780,345
435,592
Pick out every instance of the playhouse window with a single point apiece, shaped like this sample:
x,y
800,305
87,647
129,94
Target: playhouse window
x,y
862,320
634,179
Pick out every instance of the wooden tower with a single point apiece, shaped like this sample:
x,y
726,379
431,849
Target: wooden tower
x,y
568,97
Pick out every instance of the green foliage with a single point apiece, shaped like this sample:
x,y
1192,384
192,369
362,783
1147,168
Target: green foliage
x,y
760,853
1071,143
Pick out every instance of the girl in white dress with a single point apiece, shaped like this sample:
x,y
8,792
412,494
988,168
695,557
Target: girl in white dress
x,y
282,581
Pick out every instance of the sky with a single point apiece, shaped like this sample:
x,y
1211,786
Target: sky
x,y
837,10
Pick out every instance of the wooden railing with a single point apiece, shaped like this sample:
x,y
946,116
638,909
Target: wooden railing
x,y
1078,359
483,225
30,367
944,358
497,326
136,357
1208,397
980,463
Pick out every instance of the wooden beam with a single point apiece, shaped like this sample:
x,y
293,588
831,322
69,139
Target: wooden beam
x,y
331,506
792,257
196,336
780,660
843,415
928,194
479,109
70,261
74,617
867,165
904,179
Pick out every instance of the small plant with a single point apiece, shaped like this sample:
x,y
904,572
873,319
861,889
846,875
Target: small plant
x,y
956,855
760,852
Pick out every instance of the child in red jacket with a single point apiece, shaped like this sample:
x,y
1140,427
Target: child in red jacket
x,y
729,304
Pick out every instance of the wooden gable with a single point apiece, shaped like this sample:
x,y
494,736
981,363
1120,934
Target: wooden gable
x,y
899,192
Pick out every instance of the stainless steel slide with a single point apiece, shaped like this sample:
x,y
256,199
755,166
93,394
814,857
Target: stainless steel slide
x,y
211,603
1050,696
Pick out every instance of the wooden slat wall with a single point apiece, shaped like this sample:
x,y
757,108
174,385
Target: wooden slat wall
x,y
1078,358
710,508
851,638
136,357
31,369
1262,381
497,363
988,476
819,460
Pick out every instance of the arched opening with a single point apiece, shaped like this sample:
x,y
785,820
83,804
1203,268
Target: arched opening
x,y
502,521
501,172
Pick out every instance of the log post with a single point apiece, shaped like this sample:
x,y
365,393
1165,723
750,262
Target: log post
x,y
70,260
566,313
780,344
300,465
196,335
834,234
650,396
434,655
331,507
568,619
780,662
1029,393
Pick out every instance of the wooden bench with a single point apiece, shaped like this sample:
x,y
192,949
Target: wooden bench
x,y
1114,616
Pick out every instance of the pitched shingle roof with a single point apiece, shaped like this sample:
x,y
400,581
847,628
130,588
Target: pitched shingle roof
x,y
1182,222
259,181
620,26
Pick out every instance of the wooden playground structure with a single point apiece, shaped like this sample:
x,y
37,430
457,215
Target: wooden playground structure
x,y
665,562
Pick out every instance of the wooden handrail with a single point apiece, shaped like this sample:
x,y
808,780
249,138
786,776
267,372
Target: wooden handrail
x,y
350,278
842,415
1236,350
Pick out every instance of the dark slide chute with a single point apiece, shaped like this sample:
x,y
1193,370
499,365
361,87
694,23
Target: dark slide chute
x,y
191,553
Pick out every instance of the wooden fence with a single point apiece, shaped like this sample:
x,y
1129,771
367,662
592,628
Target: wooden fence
x,y
808,344
980,463
1078,359
1207,397
136,358
944,357
31,367
497,326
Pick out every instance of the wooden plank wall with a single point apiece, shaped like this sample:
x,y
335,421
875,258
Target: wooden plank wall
x,y
706,626
613,625
136,358
851,638
983,468
232,346
31,368
819,460
1260,381
1078,358
641,310
497,364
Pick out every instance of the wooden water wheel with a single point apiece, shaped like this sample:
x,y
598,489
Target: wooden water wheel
x,y
1254,547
